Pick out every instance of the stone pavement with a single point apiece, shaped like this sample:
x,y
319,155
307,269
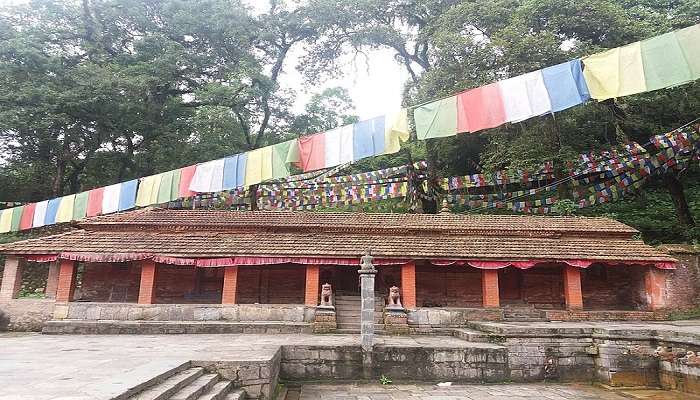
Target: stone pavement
x,y
81,367
473,392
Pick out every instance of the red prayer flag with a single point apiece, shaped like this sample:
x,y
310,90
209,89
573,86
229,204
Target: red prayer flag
x,y
480,108
94,206
27,216
312,152
186,175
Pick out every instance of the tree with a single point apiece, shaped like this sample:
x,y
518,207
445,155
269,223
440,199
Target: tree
x,y
448,46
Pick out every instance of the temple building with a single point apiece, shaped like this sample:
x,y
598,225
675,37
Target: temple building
x,y
186,265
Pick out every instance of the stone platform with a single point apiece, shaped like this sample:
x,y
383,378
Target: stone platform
x,y
109,327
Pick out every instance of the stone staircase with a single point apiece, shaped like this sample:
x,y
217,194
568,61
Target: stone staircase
x,y
347,308
522,313
190,384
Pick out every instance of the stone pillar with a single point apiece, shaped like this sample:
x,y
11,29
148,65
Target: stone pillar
x,y
311,295
11,278
228,295
655,287
66,281
572,288
52,281
489,288
408,285
367,273
147,290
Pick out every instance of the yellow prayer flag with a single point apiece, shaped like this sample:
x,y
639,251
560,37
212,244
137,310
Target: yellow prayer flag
x,y
396,131
148,190
266,161
65,209
615,73
254,167
5,220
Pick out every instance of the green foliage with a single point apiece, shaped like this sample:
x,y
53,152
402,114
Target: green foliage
x,y
564,207
385,380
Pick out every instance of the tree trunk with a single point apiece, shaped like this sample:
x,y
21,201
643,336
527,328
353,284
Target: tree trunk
x,y
675,189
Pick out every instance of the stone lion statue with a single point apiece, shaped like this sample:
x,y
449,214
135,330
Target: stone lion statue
x,y
394,297
326,294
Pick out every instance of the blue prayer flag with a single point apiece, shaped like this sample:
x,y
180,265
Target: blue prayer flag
x,y
127,195
368,138
234,171
51,211
565,85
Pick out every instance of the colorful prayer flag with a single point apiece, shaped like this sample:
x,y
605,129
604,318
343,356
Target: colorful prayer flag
x,y
127,194
65,209
51,211
480,108
565,85
148,190
110,198
312,153
80,205
234,171
689,41
369,137
664,62
208,177
186,175
524,96
339,146
27,216
396,131
94,205
40,214
5,220
615,72
436,119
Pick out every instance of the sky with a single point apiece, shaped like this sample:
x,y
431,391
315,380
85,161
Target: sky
x,y
374,83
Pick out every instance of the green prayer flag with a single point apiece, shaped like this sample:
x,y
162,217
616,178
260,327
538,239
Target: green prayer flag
x,y
80,205
436,119
175,186
664,62
16,218
280,158
165,189
689,41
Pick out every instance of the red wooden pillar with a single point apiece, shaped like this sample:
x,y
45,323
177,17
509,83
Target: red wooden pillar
x,y
572,288
655,287
408,285
52,280
11,278
312,288
230,283
490,296
66,281
147,290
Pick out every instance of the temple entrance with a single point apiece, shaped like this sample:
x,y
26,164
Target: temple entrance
x,y
344,279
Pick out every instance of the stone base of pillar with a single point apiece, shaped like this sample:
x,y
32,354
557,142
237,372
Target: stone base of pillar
x,y
396,321
324,320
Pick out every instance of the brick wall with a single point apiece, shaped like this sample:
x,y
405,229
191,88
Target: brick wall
x,y
188,285
683,283
542,286
613,287
448,286
118,282
284,284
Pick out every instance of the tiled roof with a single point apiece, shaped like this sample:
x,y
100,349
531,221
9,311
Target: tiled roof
x,y
359,222
222,244
204,233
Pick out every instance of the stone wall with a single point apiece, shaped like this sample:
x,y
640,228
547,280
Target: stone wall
x,y
424,319
259,378
25,314
182,312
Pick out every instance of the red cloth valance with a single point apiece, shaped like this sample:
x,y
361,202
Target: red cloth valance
x,y
263,260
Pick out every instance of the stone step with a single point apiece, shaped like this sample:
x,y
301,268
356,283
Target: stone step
x,y
168,387
142,327
356,320
356,331
218,391
196,388
238,394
